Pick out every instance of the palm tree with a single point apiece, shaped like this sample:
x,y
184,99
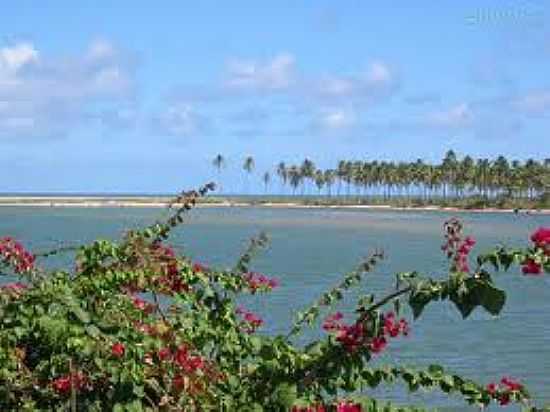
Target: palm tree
x,y
329,176
266,178
295,178
319,178
449,166
459,178
307,169
219,163
248,167
282,172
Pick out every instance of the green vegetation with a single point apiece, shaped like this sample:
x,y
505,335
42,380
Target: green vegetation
x,y
463,183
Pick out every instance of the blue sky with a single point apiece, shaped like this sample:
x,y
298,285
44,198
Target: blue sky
x,y
140,96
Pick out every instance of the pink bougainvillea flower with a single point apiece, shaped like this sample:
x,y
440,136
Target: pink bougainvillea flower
x,y
165,354
348,407
541,237
530,267
62,385
14,254
178,382
118,349
504,398
511,384
143,305
251,322
257,281
378,344
492,388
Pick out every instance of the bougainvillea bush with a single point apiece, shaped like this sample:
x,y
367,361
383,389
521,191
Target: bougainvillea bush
x,y
136,327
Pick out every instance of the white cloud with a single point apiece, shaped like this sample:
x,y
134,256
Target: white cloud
x,y
323,100
180,119
53,93
376,81
13,58
272,75
334,120
457,116
379,74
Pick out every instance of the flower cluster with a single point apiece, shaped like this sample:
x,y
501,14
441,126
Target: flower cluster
x,y
170,281
347,406
357,335
183,358
14,289
457,248
251,322
187,365
14,254
503,392
541,239
256,281
78,380
531,267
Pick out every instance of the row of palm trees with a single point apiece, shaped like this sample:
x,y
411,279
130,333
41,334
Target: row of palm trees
x,y
452,178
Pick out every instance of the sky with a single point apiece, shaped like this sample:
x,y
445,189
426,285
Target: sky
x,y
127,96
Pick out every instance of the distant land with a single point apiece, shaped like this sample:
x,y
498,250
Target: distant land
x,y
302,201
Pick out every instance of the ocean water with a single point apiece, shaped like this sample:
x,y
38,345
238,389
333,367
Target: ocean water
x,y
310,249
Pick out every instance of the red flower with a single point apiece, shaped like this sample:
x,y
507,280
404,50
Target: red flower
x,y
189,364
511,384
252,321
143,305
378,344
62,385
14,254
118,350
257,281
504,398
541,237
492,388
348,407
164,354
331,322
178,382
193,364
181,355
530,267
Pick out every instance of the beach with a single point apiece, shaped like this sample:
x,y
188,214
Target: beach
x,y
164,201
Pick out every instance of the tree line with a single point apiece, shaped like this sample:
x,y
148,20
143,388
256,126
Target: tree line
x,y
452,178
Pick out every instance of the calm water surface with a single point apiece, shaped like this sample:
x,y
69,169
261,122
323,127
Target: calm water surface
x,y
310,248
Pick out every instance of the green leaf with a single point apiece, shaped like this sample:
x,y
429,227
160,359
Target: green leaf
x,y
93,331
478,292
285,394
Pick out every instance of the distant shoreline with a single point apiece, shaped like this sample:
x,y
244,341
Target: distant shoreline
x,y
159,202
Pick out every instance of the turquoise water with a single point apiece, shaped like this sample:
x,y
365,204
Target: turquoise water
x,y
309,249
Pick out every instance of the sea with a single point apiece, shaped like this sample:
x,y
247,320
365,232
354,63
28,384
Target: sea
x,y
309,251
